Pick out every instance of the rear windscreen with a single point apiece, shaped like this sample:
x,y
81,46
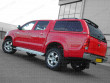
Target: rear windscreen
x,y
96,33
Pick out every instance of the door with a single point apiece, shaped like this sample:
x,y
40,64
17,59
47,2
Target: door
x,y
23,37
39,35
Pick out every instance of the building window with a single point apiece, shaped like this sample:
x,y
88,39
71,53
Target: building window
x,y
72,10
67,8
62,9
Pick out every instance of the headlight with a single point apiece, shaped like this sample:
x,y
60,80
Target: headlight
x,y
6,33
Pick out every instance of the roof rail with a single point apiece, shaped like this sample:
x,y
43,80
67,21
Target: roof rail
x,y
90,22
69,18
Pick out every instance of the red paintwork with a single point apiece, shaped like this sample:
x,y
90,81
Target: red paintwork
x,y
73,42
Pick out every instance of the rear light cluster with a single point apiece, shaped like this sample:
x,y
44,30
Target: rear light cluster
x,y
86,44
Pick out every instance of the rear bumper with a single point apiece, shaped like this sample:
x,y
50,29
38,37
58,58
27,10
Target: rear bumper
x,y
93,57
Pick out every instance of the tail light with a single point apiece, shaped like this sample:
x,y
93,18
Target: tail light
x,y
86,44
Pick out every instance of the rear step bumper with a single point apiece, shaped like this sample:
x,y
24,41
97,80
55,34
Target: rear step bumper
x,y
93,57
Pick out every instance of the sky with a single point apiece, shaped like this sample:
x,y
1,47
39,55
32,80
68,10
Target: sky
x,y
18,12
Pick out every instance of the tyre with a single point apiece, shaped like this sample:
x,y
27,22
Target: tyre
x,y
7,46
30,55
54,59
78,66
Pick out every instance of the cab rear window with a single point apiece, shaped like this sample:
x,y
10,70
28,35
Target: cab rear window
x,y
68,26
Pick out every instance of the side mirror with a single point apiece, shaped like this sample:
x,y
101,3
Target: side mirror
x,y
19,27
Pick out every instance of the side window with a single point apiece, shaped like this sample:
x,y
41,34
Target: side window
x,y
41,25
28,26
68,26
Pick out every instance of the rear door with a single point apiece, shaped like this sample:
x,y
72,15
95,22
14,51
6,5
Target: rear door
x,y
39,35
98,44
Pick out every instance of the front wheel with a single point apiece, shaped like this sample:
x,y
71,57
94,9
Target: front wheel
x,y
7,46
54,59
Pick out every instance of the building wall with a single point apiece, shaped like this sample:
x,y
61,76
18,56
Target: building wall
x,y
67,1
4,27
70,9
96,10
7,27
99,12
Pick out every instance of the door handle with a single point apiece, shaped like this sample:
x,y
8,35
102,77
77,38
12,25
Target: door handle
x,y
99,45
84,32
41,33
17,32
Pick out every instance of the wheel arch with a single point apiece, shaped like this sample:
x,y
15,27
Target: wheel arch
x,y
58,45
8,37
54,44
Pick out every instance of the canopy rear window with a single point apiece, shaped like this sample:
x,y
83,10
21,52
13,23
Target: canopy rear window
x,y
95,32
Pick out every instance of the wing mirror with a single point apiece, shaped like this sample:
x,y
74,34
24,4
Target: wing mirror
x,y
19,27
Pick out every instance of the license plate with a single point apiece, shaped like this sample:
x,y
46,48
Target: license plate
x,y
99,60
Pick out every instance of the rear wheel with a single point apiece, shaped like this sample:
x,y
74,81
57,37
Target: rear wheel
x,y
78,66
7,46
54,59
30,55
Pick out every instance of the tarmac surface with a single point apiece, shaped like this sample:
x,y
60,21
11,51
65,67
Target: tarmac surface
x,y
19,68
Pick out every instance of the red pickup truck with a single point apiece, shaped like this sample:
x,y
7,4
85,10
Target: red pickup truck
x,y
76,41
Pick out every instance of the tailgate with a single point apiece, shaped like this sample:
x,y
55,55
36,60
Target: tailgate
x,y
98,43
97,47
